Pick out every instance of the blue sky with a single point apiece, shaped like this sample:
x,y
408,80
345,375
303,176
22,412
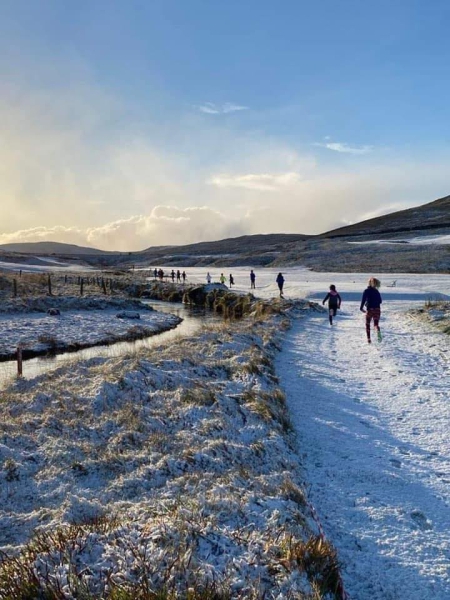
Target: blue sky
x,y
130,124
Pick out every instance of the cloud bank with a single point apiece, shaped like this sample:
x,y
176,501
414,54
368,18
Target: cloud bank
x,y
77,168
165,225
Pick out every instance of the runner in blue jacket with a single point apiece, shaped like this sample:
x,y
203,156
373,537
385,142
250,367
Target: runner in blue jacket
x,y
371,305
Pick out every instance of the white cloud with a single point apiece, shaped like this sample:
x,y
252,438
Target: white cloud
x,y
68,175
345,148
209,108
230,107
217,109
263,182
165,225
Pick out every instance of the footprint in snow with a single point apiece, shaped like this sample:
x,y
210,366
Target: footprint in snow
x,y
421,520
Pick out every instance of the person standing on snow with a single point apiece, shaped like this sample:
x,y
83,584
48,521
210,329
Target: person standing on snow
x,y
252,280
222,279
208,278
371,305
334,302
280,282
231,279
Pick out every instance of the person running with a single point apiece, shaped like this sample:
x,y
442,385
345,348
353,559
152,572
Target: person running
x,y
280,282
222,279
178,276
231,279
208,278
172,275
371,305
184,276
252,280
334,302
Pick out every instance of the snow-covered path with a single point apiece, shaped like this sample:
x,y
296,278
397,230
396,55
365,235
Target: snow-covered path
x,y
374,424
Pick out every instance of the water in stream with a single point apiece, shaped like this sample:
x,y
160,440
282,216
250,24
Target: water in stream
x,y
193,318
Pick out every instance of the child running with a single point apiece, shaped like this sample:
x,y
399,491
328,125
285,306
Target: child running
x,y
334,302
370,304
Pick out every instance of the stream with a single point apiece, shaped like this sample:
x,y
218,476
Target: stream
x,y
193,319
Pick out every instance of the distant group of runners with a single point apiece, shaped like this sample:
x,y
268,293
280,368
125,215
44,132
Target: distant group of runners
x,y
160,274
222,279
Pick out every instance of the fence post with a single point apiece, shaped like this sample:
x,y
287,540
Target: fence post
x,y
19,360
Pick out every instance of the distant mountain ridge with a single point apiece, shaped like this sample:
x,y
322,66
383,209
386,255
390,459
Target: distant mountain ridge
x,y
426,217
58,248
351,248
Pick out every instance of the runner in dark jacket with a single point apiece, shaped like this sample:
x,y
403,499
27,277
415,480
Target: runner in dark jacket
x,y
280,282
334,302
371,305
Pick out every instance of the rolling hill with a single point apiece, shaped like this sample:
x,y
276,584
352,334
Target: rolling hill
x,y
386,243
57,248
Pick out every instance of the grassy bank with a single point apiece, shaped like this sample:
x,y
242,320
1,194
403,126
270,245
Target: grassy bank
x,y
171,473
436,312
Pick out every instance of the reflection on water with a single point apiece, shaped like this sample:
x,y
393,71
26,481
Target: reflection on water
x,y
193,318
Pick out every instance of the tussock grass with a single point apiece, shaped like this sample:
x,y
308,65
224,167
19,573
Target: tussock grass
x,y
436,312
200,395
318,559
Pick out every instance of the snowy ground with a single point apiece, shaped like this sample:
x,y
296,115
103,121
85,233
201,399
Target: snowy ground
x,y
38,264
373,425
39,332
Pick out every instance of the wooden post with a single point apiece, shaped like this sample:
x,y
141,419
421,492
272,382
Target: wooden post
x,y
19,360
15,287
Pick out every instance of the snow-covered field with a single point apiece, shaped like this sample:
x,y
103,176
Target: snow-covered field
x,y
37,264
371,422
373,425
77,329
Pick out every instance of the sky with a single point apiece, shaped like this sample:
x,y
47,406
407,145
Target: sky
x,y
130,124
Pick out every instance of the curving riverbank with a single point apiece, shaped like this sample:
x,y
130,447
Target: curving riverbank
x,y
80,323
